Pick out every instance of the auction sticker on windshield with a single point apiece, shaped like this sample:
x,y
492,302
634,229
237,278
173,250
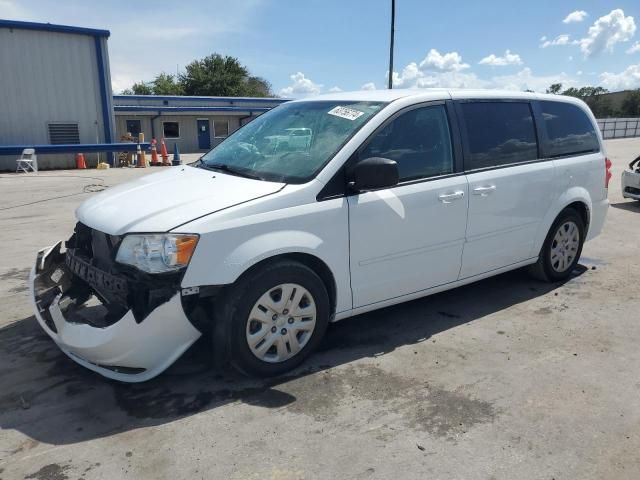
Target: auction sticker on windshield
x,y
345,112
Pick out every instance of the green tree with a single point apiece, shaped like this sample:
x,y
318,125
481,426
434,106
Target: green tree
x,y
258,87
166,84
139,88
592,96
631,104
554,88
218,75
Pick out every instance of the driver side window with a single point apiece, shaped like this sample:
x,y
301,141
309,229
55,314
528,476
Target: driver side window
x,y
418,140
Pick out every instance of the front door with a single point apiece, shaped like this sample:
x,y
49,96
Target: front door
x,y
510,190
204,139
410,237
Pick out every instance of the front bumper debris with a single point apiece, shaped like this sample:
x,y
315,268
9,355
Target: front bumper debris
x,y
105,322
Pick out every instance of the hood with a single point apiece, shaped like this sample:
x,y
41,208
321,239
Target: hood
x,y
165,200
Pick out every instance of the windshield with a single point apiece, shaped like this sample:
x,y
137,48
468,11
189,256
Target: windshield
x,y
292,142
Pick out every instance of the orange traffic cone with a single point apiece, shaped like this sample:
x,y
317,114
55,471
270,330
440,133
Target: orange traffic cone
x,y
154,154
80,163
163,153
142,162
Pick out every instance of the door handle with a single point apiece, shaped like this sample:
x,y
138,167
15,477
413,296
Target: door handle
x,y
484,190
450,197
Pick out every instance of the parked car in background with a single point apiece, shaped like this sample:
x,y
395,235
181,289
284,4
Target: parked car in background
x,y
631,180
392,195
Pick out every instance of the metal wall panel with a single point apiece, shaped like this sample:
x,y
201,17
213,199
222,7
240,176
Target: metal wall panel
x,y
49,77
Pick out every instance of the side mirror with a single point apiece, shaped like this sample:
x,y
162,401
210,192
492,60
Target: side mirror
x,y
373,173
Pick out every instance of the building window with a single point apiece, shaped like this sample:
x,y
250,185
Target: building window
x,y
220,128
171,129
134,127
63,133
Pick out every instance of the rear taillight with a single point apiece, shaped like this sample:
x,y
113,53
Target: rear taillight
x,y
607,175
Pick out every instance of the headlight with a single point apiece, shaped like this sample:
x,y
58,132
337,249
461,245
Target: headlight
x,y
157,253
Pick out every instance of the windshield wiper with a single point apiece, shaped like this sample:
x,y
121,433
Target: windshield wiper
x,y
229,169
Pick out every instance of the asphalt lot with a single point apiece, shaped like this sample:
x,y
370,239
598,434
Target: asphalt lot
x,y
507,378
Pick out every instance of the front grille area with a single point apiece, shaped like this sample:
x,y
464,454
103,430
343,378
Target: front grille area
x,y
632,190
90,258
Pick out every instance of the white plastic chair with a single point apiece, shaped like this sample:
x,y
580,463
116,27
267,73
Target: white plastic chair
x,y
28,161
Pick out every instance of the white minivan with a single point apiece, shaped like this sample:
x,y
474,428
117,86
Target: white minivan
x,y
397,194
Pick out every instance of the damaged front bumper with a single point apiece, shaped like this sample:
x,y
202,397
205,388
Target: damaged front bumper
x,y
127,344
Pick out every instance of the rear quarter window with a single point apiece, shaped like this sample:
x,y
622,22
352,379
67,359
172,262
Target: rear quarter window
x,y
498,133
569,130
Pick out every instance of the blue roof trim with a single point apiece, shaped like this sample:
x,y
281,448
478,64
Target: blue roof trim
x,y
50,27
202,99
151,108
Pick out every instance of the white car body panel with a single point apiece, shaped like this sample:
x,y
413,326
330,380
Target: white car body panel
x,y
420,245
506,207
164,200
382,247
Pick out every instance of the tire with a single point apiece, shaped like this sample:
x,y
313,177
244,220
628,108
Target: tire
x,y
555,265
250,308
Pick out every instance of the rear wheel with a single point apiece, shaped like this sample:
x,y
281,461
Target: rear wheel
x,y
276,318
561,249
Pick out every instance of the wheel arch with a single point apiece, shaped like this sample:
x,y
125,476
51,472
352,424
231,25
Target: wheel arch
x,y
577,198
311,261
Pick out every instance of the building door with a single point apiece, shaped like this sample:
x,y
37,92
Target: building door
x,y
204,138
134,127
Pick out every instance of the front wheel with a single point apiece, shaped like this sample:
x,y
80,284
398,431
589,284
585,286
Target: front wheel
x,y
561,249
277,317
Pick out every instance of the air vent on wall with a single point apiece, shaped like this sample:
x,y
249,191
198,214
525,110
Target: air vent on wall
x,y
63,133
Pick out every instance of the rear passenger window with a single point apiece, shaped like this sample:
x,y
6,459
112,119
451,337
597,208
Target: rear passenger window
x,y
418,140
569,130
498,133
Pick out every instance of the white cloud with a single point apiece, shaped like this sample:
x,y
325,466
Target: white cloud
x,y
634,48
335,89
301,86
526,80
11,10
508,59
608,30
368,86
627,79
577,16
559,40
449,62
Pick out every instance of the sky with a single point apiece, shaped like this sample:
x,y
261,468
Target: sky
x,y
306,47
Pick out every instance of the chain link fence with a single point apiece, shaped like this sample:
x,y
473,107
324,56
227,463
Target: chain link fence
x,y
619,127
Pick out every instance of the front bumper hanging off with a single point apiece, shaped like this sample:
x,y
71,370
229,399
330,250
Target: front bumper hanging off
x,y
127,344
